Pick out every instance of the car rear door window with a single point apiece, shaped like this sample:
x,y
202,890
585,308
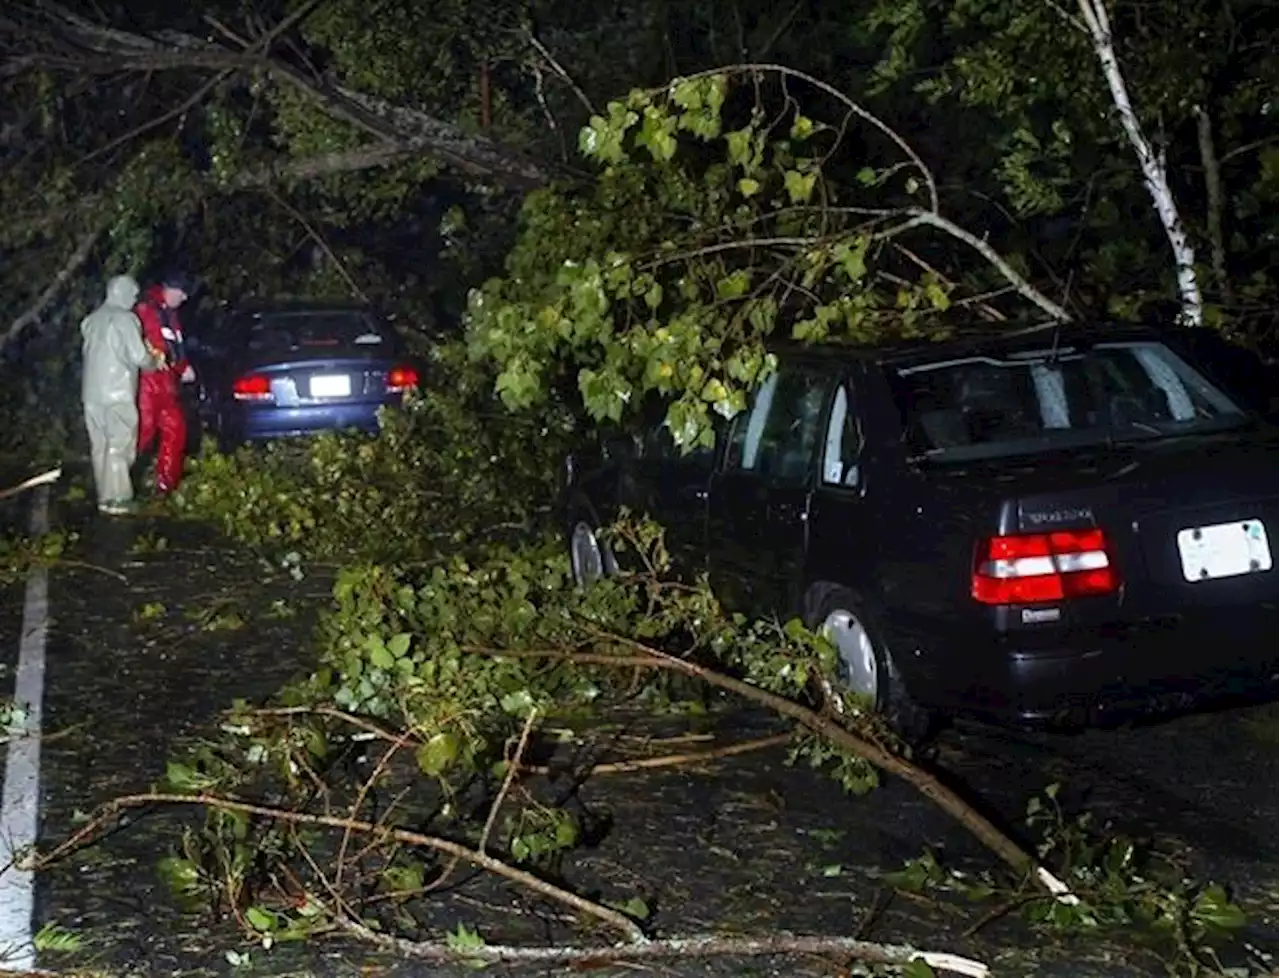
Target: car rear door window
x,y
842,447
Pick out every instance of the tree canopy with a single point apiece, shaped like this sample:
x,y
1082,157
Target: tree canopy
x,y
317,147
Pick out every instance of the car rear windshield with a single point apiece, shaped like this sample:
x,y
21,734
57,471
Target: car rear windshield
x,y
980,406
338,332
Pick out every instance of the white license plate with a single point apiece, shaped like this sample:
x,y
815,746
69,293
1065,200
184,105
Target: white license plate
x,y
1224,550
330,385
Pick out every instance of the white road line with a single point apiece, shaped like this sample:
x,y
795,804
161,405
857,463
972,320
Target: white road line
x,y
20,808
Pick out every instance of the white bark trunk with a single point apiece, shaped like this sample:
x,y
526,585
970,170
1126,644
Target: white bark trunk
x,y
1098,24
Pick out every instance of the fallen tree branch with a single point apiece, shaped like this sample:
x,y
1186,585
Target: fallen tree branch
x,y
75,261
96,49
996,260
674,760
638,947
43,479
261,175
323,244
984,308
95,825
694,946
513,769
928,784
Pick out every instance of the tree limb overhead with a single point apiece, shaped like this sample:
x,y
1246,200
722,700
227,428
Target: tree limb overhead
x,y
51,38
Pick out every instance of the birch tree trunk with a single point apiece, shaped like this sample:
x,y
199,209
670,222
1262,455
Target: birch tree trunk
x,y
1098,25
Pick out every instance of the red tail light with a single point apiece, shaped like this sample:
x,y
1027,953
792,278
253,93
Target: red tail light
x,y
1034,567
252,387
401,379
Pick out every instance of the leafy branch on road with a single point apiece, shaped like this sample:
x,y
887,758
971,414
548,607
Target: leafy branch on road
x,y
465,945
427,678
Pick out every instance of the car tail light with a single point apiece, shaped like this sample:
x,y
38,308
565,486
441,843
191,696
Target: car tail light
x,y
252,387
1030,568
401,379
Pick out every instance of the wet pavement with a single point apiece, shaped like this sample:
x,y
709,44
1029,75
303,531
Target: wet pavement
x,y
749,845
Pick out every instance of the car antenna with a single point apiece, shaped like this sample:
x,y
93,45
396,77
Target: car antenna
x,y
1052,359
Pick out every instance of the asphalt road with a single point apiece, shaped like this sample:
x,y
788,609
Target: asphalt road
x,y
133,667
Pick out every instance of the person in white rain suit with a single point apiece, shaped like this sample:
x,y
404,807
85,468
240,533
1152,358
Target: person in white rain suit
x,y
114,352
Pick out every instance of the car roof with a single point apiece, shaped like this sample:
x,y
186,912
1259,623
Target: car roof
x,y
967,341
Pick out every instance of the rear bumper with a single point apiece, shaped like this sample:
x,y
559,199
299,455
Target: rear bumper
x,y
244,423
1088,677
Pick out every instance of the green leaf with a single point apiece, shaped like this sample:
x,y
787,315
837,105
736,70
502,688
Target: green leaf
x,y
566,832
57,940
183,777
260,920
399,644
517,703
438,754
403,879
799,186
1213,908
802,127
748,187
181,875
380,656
852,257
465,939
734,285
739,143
937,296
917,968
657,134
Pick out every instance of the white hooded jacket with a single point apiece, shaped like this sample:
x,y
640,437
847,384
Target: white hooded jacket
x,y
113,347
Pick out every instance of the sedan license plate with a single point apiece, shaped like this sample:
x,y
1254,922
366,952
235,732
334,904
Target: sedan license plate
x,y
1224,550
330,385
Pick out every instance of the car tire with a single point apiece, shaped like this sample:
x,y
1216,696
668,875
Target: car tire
x,y
590,557
866,663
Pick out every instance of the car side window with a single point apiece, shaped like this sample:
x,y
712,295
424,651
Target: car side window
x,y
780,434
842,448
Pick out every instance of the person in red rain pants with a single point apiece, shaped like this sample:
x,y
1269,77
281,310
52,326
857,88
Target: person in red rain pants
x,y
159,405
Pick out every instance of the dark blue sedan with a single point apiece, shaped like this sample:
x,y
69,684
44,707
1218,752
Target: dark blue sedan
x,y
289,369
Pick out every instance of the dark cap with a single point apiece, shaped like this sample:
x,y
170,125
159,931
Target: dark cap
x,y
182,281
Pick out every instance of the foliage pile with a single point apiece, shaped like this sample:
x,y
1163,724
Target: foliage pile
x,y
449,470
360,795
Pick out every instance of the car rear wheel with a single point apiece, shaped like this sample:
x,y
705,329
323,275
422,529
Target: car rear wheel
x,y
864,664
590,557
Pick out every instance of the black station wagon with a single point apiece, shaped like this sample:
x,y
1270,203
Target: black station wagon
x,y
1039,526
